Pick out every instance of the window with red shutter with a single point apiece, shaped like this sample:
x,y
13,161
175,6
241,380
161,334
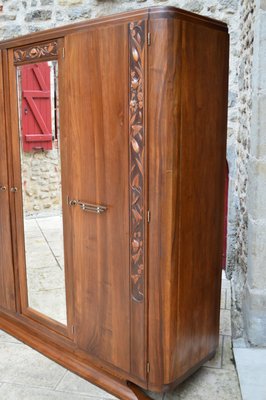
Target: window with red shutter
x,y
36,118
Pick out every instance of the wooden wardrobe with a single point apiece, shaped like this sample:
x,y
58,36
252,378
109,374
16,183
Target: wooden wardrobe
x,y
142,119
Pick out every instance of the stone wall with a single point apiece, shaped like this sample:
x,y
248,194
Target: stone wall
x,y
41,173
239,272
254,297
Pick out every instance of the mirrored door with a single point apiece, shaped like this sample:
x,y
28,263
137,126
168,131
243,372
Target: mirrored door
x,y
39,193
39,133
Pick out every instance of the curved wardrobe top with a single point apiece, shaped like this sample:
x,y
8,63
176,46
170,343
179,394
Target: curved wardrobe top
x,y
151,12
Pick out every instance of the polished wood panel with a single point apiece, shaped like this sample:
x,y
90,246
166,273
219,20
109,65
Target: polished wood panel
x,y
201,198
7,283
95,126
164,115
187,129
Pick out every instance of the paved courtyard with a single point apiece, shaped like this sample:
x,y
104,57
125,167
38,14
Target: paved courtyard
x,y
45,266
28,375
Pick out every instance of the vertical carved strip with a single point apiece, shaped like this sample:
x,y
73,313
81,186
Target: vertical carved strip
x,y
136,152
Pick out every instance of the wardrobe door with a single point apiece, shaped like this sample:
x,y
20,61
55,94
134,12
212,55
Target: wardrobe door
x,y
7,290
41,217
95,120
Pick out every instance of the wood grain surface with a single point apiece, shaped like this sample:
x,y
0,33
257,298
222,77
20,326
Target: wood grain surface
x,y
7,285
188,69
95,126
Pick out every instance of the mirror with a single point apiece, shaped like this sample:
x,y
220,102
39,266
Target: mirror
x,y
39,133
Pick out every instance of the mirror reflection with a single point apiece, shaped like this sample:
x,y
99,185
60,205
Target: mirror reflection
x,y
41,187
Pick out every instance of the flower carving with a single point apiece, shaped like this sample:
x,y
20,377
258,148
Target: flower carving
x,y
31,53
136,133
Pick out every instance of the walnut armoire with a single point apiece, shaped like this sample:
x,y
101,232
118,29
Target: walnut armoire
x,y
143,116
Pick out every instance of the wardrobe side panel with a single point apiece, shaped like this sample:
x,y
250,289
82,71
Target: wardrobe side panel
x,y
7,290
188,68
201,197
163,134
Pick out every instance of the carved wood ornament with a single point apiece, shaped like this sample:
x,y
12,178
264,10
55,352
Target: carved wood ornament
x,y
136,153
35,53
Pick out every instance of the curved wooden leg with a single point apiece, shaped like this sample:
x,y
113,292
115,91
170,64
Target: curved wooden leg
x,y
138,392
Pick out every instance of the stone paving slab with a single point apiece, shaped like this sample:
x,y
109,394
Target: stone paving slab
x,y
18,392
71,383
24,366
208,383
251,368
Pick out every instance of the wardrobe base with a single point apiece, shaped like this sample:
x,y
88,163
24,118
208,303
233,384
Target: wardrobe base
x,y
120,388
115,385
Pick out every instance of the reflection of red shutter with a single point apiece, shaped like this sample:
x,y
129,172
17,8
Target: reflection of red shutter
x,y
36,107
225,217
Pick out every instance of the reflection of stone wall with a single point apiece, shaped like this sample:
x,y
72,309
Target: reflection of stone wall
x,y
41,182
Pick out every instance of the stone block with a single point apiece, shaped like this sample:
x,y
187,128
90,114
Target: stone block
x,y
10,31
194,6
47,2
233,4
13,7
69,2
38,15
256,273
256,194
258,126
8,17
254,307
263,4
259,59
232,98
79,13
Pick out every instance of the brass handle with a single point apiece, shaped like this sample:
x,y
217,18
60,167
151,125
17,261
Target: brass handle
x,y
3,188
94,208
14,189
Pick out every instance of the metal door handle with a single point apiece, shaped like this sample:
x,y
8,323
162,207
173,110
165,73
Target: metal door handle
x,y
94,208
2,188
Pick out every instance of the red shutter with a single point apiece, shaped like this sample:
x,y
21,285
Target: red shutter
x,y
36,107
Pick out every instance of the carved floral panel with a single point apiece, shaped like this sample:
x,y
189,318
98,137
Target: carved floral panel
x,y
36,52
136,139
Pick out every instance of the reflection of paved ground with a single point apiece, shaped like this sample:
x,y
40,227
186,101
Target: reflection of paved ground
x,y
27,375
45,266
